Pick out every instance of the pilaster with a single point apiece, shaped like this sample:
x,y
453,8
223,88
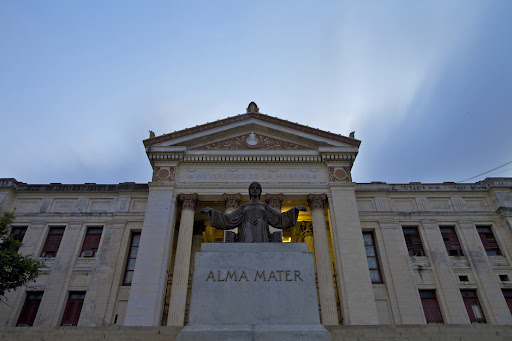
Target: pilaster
x,y
489,290
355,288
448,291
401,282
147,293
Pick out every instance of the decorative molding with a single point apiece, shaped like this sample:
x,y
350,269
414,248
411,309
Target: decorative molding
x,y
253,108
167,173
337,174
316,201
231,201
252,159
275,200
252,140
189,201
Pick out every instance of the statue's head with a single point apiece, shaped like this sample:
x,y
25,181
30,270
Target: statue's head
x,y
255,189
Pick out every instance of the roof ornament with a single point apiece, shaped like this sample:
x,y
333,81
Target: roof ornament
x,y
151,134
253,108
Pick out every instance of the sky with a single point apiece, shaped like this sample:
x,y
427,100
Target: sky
x,y
425,85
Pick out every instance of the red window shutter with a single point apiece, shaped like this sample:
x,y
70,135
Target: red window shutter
x,y
431,306
488,241
73,308
91,240
451,241
413,241
52,243
30,308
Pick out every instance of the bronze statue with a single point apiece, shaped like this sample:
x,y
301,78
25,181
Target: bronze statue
x,y
254,218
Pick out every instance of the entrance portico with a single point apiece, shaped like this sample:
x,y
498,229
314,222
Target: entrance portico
x,y
212,165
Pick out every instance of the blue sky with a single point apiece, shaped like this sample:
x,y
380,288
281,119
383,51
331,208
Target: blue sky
x,y
426,85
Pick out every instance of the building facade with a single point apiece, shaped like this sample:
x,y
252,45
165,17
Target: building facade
x,y
385,254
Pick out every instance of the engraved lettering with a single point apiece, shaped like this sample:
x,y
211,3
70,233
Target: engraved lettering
x,y
280,273
218,277
262,275
272,275
243,276
210,275
231,275
288,272
296,274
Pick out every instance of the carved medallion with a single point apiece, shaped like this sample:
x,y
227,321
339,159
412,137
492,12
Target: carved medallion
x,y
164,173
337,174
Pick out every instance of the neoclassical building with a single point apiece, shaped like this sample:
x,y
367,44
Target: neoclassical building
x,y
385,254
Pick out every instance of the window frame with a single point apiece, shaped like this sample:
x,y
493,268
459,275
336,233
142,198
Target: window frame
x,y
91,239
32,304
429,303
410,242
490,246
130,257
16,236
52,237
469,297
453,243
373,245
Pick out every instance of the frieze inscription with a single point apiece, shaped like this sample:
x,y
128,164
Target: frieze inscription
x,y
244,175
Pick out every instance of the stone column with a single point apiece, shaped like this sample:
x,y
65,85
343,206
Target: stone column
x,y
489,291
354,283
179,287
55,292
323,261
307,234
231,202
401,282
147,293
275,200
448,292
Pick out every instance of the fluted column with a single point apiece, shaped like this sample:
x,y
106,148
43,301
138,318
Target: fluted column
x,y
306,228
182,263
275,201
231,202
323,261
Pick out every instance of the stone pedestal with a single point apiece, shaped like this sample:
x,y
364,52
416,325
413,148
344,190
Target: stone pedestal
x,y
257,291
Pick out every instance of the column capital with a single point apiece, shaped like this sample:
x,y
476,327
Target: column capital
x,y
189,201
231,201
275,200
316,201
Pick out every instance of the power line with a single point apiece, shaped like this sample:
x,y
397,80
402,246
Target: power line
x,y
476,176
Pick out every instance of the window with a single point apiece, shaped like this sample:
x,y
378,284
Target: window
x,y
371,256
451,241
463,278
132,256
504,278
508,297
473,306
490,244
18,232
73,308
52,243
91,242
30,307
431,306
413,241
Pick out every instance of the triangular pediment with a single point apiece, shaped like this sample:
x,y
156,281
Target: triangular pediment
x,y
251,132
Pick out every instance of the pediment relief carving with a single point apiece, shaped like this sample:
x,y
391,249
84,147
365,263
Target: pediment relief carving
x,y
252,140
